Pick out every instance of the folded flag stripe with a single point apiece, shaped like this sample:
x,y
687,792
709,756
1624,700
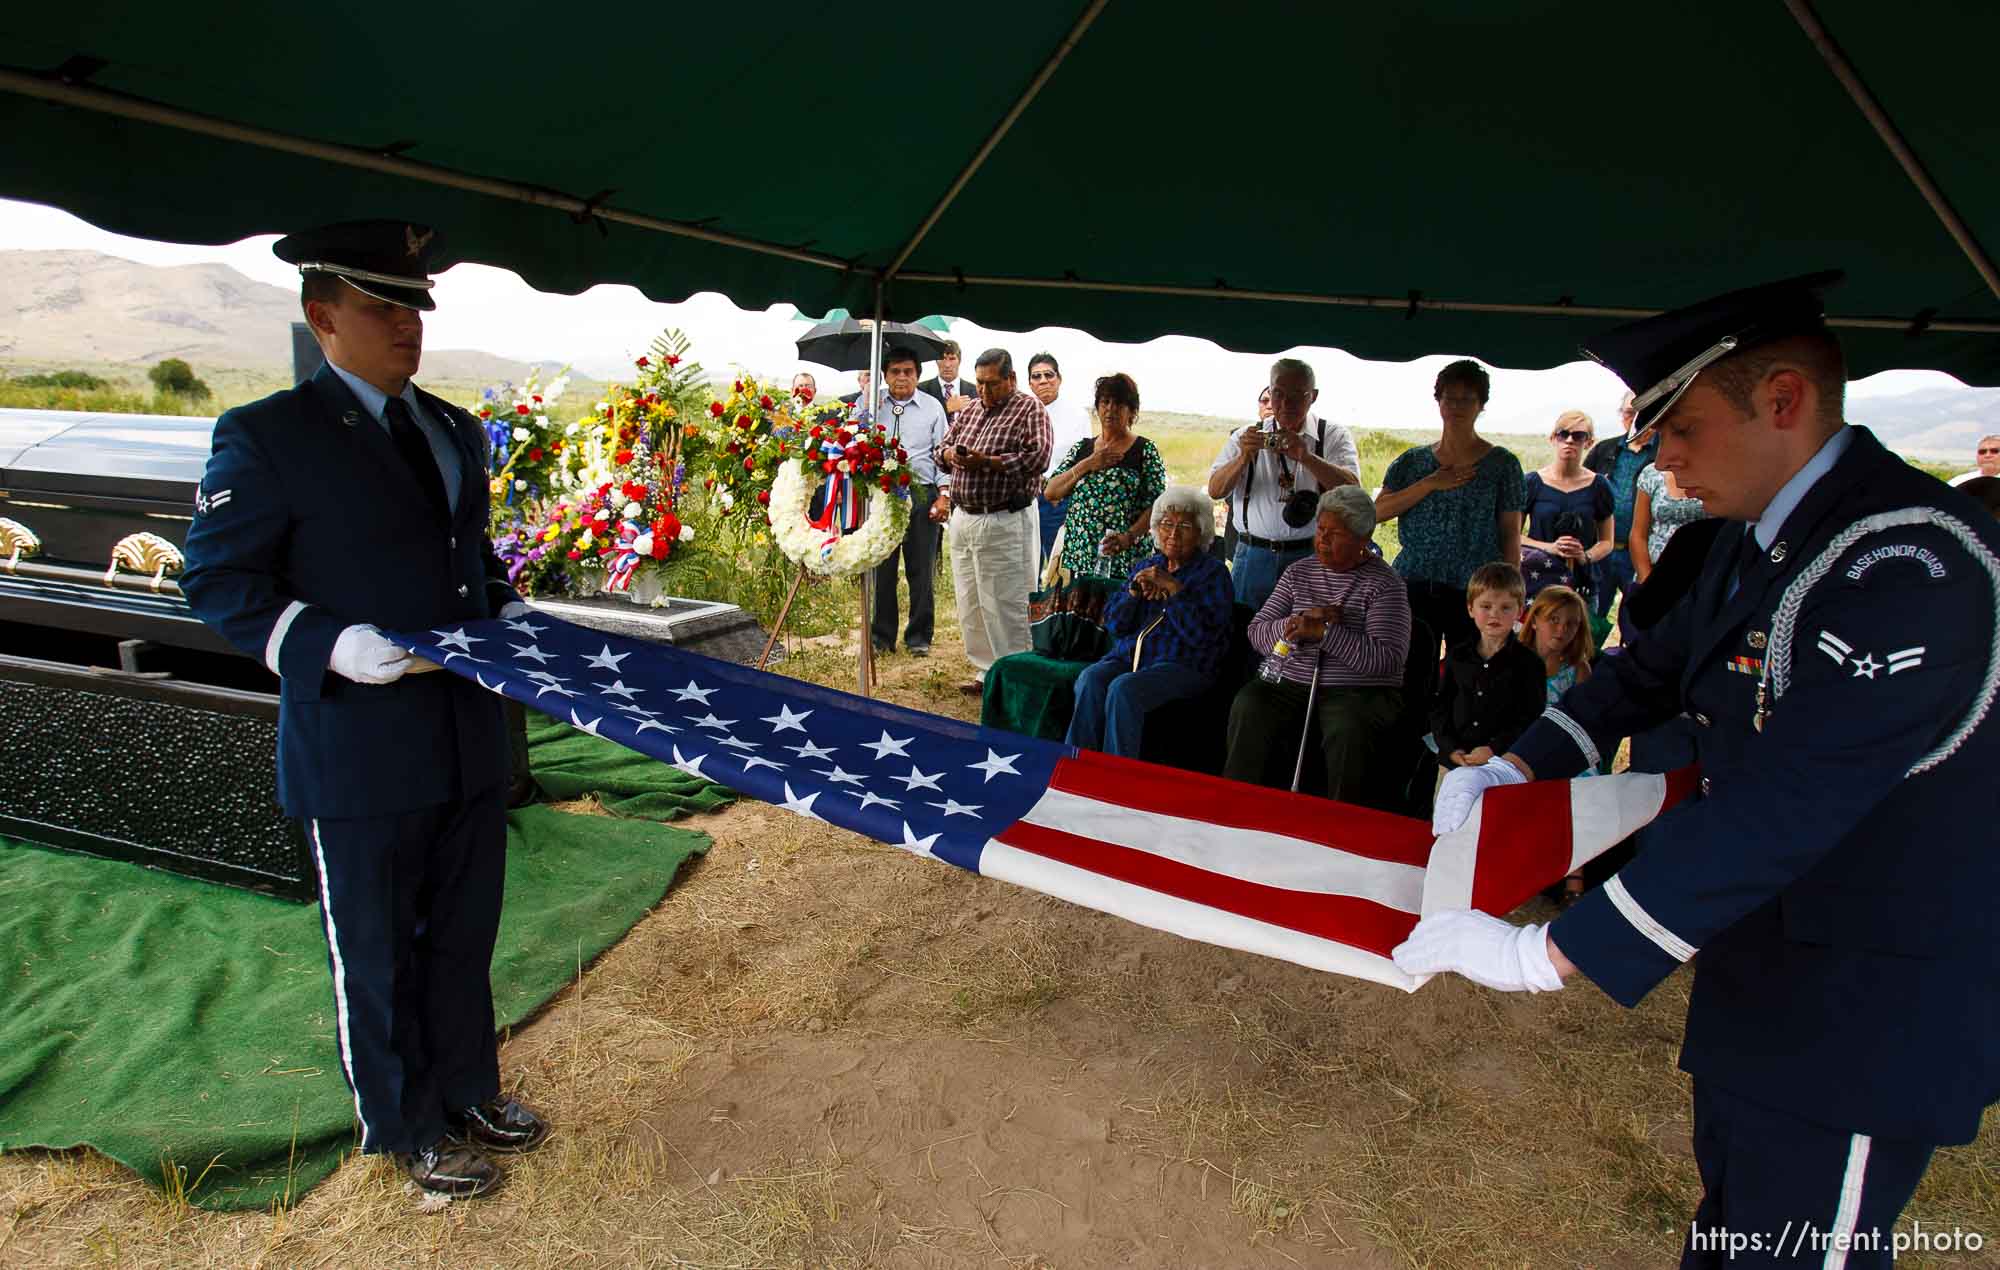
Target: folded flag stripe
x,y
1284,875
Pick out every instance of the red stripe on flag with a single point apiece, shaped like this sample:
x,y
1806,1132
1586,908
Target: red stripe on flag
x,y
1524,843
1167,791
1343,919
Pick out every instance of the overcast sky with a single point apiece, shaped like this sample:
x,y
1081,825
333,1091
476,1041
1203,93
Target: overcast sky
x,y
600,331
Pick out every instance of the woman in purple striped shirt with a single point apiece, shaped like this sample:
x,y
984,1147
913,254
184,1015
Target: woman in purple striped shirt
x,y
1341,616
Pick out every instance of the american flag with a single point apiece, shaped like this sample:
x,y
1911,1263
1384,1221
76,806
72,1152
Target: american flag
x,y
1319,883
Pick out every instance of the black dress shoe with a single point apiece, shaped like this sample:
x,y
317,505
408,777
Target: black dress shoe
x,y
919,650
500,1124
450,1167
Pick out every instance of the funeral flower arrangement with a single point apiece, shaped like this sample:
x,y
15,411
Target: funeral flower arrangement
x,y
854,458
524,456
744,437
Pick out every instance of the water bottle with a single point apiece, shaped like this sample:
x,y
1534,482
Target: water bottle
x,y
1271,669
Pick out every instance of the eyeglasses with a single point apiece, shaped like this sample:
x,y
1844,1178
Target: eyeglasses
x,y
1037,376
1285,394
1574,438
1174,527
1990,451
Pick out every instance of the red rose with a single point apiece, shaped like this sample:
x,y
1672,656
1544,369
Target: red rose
x,y
535,455
709,483
672,360
827,467
750,464
733,448
521,409
557,447
803,394
575,555
622,456
667,526
817,433
538,399
764,496
643,363
885,484
902,478
661,546
715,409
739,385
485,412
764,402
742,421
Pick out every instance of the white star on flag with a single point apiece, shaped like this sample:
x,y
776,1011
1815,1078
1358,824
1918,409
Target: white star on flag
x,y
617,688
922,846
692,766
839,777
800,806
606,660
917,780
785,720
465,657
952,807
889,745
590,727
499,688
811,751
995,764
555,687
738,743
755,760
694,693
523,626
869,798
457,639
636,711
543,676
646,725
710,721
531,652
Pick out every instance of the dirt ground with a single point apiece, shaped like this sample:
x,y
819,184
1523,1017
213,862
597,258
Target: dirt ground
x,y
821,1051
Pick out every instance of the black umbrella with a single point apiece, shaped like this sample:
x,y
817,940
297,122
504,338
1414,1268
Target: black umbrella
x,y
844,344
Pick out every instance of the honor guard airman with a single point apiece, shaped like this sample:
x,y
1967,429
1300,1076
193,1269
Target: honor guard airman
x,y
1835,652
355,503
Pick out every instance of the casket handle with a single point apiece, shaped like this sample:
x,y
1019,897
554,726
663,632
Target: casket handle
x,y
145,553
17,540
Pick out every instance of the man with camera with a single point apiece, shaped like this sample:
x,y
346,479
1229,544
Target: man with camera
x,y
1273,472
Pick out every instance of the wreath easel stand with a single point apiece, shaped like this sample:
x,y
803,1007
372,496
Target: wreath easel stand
x,y
789,492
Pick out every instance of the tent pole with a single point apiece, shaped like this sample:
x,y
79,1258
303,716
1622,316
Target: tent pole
x,y
1000,130
1885,128
1398,305
868,403
138,108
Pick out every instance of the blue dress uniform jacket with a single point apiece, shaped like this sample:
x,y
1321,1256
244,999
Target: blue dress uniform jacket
x,y
1837,874
309,521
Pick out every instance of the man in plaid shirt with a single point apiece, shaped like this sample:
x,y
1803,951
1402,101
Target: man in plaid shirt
x,y
990,467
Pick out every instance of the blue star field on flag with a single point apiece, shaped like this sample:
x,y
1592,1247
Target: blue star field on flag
x,y
932,785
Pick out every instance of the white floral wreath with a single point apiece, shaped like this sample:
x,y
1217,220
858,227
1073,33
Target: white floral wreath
x,y
833,555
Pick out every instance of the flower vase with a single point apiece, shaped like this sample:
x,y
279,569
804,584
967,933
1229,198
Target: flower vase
x,y
647,588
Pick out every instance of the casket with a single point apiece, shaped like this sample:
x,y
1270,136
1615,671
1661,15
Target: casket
x,y
134,730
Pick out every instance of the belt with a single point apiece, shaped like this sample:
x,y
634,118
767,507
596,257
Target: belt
x,y
1019,504
1268,544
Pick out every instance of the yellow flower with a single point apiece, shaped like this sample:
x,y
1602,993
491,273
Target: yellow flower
x,y
493,486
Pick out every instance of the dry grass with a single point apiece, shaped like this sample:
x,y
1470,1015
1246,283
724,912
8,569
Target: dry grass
x,y
821,1051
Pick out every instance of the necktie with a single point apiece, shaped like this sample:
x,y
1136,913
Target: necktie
x,y
416,452
1749,559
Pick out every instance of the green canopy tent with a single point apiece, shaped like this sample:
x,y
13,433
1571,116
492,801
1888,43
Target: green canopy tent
x,y
1396,180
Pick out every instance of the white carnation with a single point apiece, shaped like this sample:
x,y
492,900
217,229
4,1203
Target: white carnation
x,y
570,430
522,434
632,511
519,483
643,544
541,421
687,533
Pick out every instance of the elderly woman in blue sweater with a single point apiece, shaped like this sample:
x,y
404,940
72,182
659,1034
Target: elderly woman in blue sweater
x,y
1172,627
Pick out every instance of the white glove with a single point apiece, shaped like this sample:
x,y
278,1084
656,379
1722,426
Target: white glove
x,y
513,609
1462,787
365,656
1481,947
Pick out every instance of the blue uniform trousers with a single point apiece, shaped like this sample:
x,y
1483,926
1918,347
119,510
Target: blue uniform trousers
x,y
1779,1190
1113,700
410,905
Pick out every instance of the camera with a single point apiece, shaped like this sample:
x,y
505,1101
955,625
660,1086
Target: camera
x,y
1301,508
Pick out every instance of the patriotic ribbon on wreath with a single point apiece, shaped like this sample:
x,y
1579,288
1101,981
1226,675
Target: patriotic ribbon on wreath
x,y
630,554
842,513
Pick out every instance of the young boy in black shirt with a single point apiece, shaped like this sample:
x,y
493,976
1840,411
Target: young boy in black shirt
x,y
1494,685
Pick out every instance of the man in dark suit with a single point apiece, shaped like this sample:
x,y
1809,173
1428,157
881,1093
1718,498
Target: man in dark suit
x,y
953,393
861,376
1835,653
353,503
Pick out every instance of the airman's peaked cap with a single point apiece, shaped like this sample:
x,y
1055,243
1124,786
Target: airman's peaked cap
x,y
387,259
1658,357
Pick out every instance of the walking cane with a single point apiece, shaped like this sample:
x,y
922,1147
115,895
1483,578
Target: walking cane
x,y
1312,693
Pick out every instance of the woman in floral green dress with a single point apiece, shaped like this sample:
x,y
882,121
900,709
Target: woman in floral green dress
x,y
1109,483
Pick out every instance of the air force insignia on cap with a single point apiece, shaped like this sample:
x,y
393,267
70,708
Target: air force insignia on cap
x,y
1660,356
389,260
